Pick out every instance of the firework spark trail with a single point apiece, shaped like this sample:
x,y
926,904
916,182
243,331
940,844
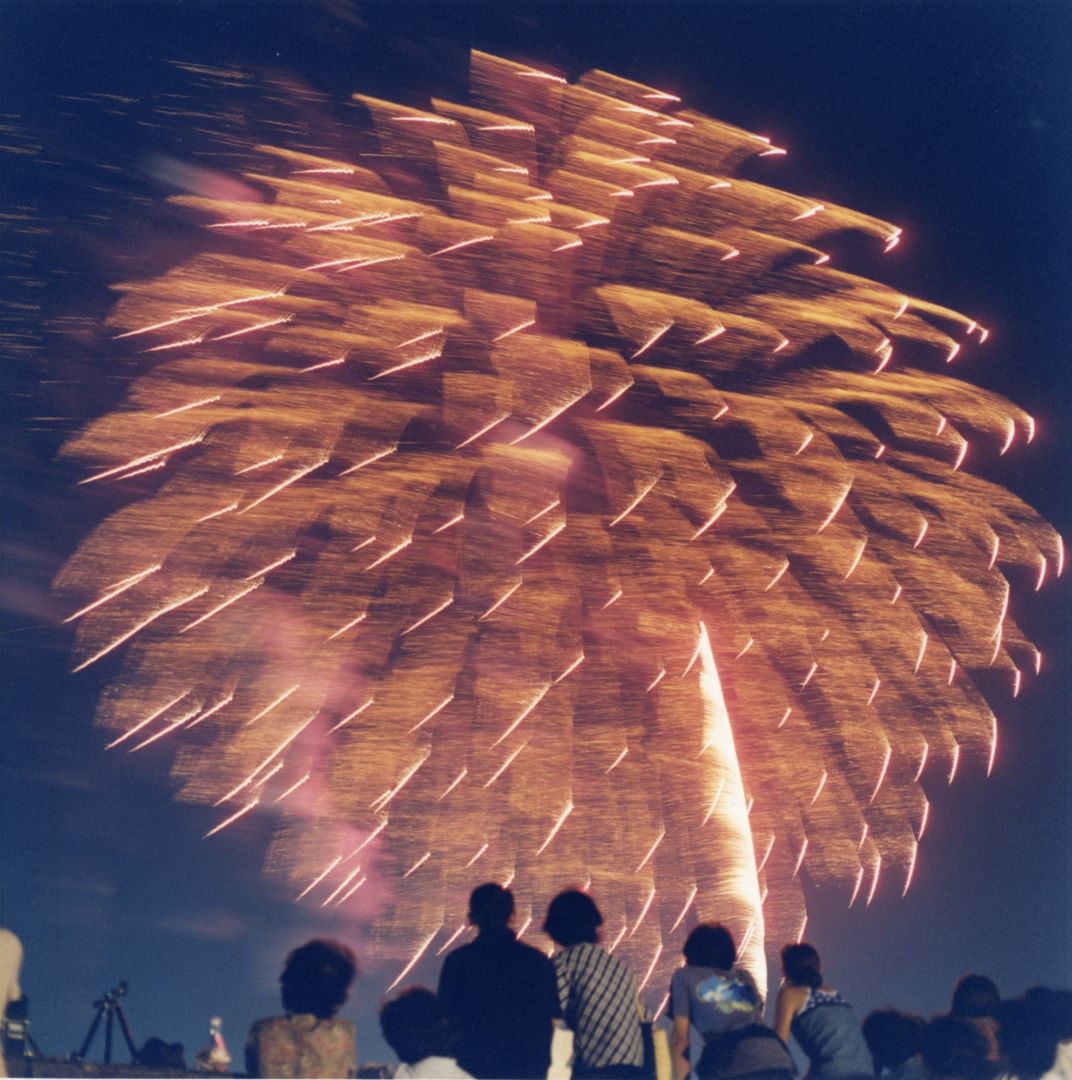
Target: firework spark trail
x,y
738,897
421,441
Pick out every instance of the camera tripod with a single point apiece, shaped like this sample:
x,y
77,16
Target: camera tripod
x,y
108,1004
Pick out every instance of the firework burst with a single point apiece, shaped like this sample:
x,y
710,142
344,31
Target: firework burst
x,y
529,498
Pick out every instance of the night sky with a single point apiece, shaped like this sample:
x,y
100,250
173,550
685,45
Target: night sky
x,y
950,120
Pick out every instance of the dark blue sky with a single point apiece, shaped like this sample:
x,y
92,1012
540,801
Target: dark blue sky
x,y
950,120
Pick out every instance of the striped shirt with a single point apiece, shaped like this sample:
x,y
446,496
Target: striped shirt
x,y
598,996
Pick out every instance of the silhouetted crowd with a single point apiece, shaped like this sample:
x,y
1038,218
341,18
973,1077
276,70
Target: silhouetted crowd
x,y
504,1010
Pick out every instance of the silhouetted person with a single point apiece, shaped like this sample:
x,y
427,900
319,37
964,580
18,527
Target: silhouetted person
x,y
1034,1034
1057,1005
976,999
10,967
820,1019
310,1040
722,1002
894,1038
498,995
596,991
416,1031
955,1049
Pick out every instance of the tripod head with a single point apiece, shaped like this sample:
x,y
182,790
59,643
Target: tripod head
x,y
110,998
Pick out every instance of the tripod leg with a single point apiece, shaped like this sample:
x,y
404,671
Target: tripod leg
x,y
108,1032
125,1028
92,1031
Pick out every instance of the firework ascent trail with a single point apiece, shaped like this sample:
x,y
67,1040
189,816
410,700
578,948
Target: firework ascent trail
x,y
525,496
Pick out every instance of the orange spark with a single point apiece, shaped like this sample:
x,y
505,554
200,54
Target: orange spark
x,y
923,819
278,701
185,408
119,587
618,940
293,478
350,892
435,712
220,607
819,789
256,326
651,967
546,540
856,887
651,851
233,818
777,577
480,851
955,761
614,397
167,730
837,506
166,609
413,963
547,419
762,862
371,836
882,773
505,765
856,560
379,804
432,354
483,431
502,600
453,784
418,864
390,554
221,704
182,445
524,713
558,825
643,912
719,510
293,787
341,886
800,857
874,880
265,763
463,244
347,626
424,618
636,502
652,340
346,719
260,464
450,941
148,720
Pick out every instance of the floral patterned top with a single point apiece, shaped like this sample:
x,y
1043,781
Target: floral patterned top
x,y
301,1045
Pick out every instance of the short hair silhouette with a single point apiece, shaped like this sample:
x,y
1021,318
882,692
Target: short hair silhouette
x,y
1030,1027
975,996
1057,1005
490,906
572,918
892,1037
710,945
955,1049
317,977
413,1025
801,965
